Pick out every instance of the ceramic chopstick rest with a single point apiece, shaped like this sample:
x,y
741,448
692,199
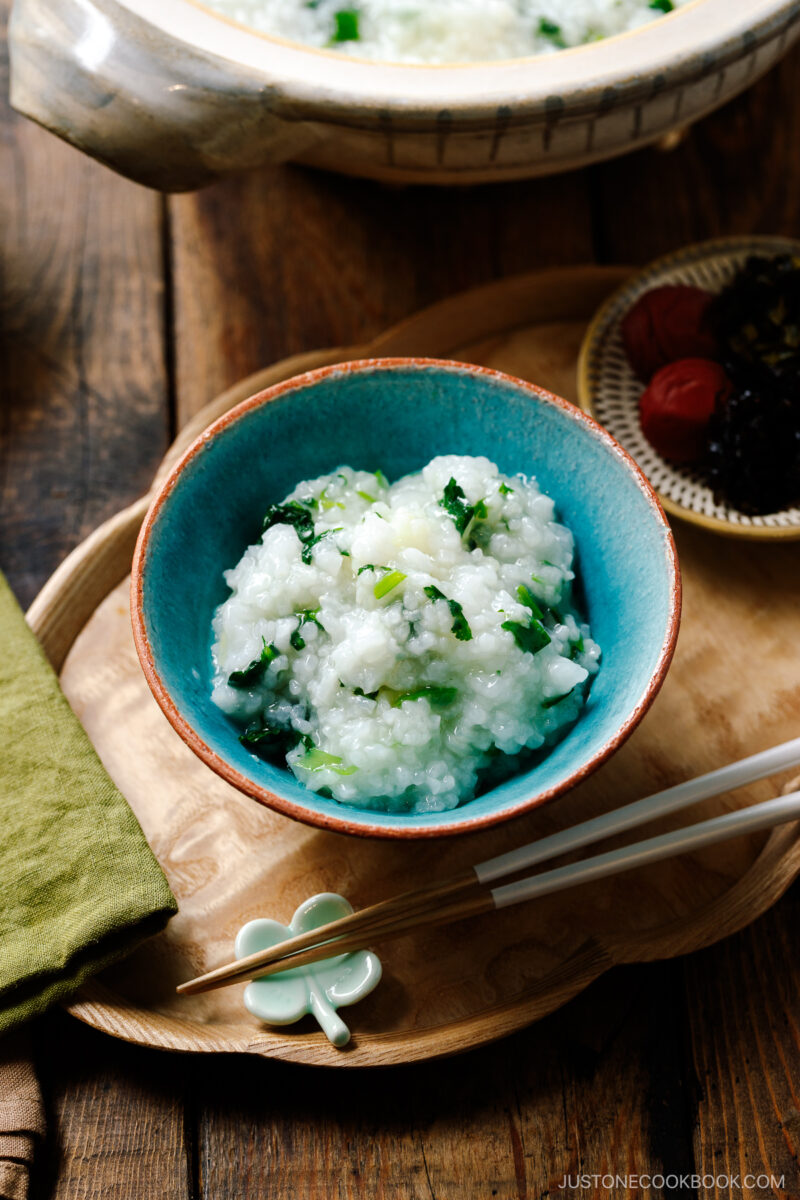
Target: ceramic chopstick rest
x,y
319,989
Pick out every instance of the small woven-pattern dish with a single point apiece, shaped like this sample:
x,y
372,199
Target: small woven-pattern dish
x,y
609,391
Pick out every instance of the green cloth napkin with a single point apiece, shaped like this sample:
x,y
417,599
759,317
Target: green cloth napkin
x,y
79,885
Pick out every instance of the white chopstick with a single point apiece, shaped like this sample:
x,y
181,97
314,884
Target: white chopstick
x,y
724,779
666,845
465,894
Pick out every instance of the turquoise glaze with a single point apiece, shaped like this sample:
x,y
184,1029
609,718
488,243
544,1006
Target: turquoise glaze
x,y
396,415
319,989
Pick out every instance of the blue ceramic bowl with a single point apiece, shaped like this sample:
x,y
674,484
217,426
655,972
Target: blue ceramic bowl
x,y
399,413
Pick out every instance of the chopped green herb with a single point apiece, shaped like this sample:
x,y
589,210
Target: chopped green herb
x,y
437,697
388,584
664,6
346,25
381,478
309,546
317,760
296,513
557,699
344,553
460,626
252,673
552,32
367,695
454,502
577,648
505,490
530,638
366,496
272,740
296,638
366,567
526,597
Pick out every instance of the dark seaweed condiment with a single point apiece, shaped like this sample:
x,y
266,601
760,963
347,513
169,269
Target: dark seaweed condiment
x,y
753,457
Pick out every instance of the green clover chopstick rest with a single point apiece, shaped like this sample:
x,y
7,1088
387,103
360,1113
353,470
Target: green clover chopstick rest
x,y
320,988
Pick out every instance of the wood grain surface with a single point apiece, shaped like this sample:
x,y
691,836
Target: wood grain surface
x,y
120,317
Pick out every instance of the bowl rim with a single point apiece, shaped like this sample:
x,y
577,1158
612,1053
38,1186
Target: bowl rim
x,y
688,44
345,823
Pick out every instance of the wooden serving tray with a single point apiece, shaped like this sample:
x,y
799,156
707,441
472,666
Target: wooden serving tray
x,y
732,690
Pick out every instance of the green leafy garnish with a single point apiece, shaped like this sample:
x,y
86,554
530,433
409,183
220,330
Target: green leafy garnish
x,y
454,502
367,695
530,638
317,760
381,478
552,32
296,638
460,626
252,673
437,697
557,699
272,740
366,567
388,584
325,503
366,496
505,490
293,513
297,514
344,553
526,597
577,648
346,25
664,6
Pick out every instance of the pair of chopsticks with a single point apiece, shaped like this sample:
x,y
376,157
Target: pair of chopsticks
x,y
466,894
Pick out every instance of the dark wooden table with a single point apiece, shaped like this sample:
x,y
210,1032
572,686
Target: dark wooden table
x,y
121,314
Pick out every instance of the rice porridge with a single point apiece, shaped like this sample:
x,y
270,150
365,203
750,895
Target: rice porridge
x,y
394,644
442,31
